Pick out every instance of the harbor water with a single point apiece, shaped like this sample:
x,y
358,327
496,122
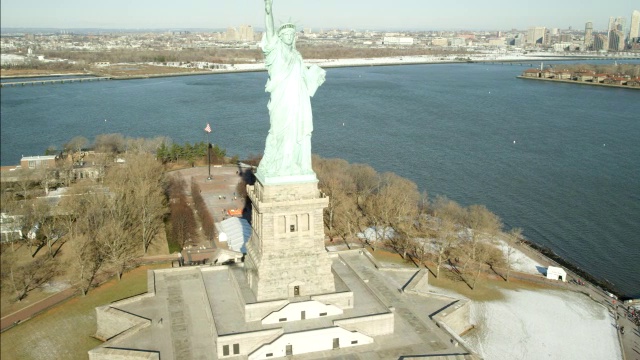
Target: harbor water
x,y
561,161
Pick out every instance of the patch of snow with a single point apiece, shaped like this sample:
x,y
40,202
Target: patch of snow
x,y
519,261
543,324
55,286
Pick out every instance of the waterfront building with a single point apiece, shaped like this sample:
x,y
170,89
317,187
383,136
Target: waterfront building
x,y
242,33
600,42
497,42
616,24
439,41
536,35
397,40
588,35
634,32
458,41
519,40
38,162
616,40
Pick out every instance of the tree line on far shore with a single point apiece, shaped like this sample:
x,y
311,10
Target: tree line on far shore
x,y
613,69
309,50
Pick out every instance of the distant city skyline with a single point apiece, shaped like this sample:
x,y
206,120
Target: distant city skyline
x,y
326,14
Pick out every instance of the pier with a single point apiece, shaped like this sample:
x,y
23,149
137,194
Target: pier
x,y
53,81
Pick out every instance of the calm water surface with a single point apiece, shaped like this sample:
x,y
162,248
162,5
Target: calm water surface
x,y
561,161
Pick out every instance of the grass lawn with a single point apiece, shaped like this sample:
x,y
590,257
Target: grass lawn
x,y
385,256
487,288
65,331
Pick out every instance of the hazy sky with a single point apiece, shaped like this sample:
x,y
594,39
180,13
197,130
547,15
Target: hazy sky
x,y
316,14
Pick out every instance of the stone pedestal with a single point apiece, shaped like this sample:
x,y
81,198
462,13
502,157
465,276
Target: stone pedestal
x,y
286,257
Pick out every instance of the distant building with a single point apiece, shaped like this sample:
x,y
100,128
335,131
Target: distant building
x,y
439,41
518,41
600,42
496,42
458,41
10,227
634,32
556,273
38,162
12,59
536,35
395,40
616,33
588,35
616,40
242,33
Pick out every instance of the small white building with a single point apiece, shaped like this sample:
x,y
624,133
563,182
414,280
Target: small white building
x,y
556,273
396,40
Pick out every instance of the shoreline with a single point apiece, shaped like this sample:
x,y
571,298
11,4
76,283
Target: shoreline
x,y
580,82
603,284
359,62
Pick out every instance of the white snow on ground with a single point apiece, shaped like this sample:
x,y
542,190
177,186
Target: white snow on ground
x,y
425,59
55,286
519,261
543,324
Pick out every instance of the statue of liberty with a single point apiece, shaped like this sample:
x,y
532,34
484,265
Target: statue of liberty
x,y
287,150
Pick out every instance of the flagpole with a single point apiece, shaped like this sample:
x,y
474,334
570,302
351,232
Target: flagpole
x,y
207,129
209,154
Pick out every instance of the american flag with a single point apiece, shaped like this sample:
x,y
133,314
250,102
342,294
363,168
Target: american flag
x,y
208,128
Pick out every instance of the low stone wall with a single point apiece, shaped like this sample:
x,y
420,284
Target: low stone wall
x,y
456,316
121,354
245,343
114,324
257,311
342,300
372,325
419,283
455,320
112,321
311,309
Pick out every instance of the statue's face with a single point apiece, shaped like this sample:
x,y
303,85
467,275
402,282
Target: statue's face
x,y
287,37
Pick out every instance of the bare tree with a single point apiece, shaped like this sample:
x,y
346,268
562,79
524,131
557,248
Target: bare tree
x,y
110,143
88,258
46,177
334,182
482,222
446,240
26,179
75,147
393,202
25,277
87,261
76,144
183,222
52,231
443,207
118,247
487,256
512,240
138,188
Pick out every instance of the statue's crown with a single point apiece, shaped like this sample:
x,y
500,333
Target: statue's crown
x,y
287,26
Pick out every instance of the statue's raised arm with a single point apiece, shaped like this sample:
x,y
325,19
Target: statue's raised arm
x,y
269,27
